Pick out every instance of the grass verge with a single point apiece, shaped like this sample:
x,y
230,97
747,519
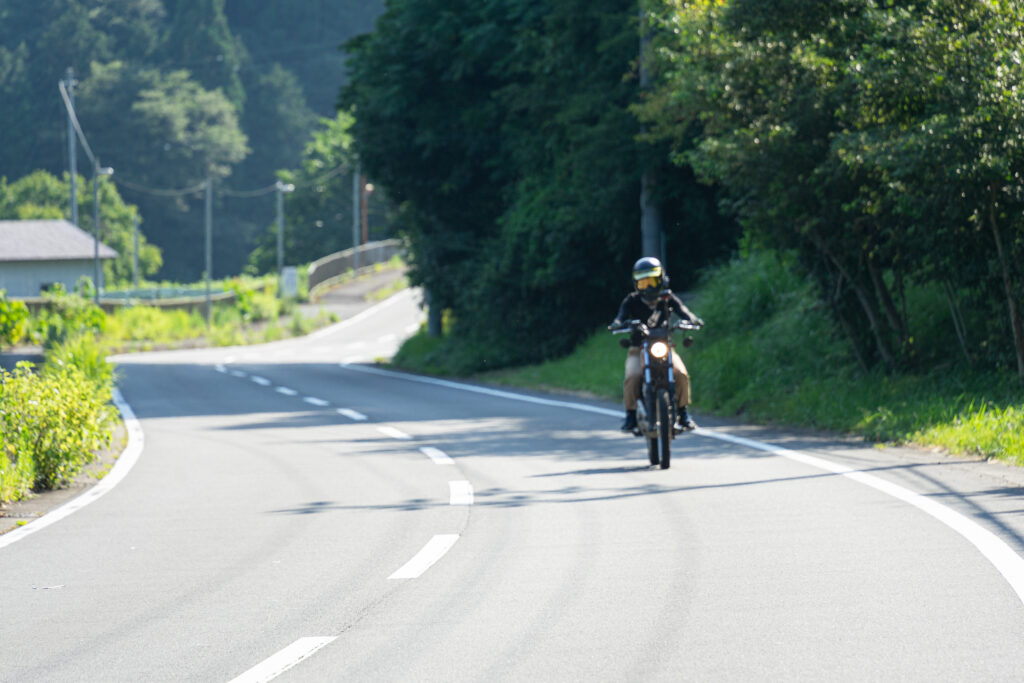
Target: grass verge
x,y
770,354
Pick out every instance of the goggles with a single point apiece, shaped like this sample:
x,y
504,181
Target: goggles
x,y
649,282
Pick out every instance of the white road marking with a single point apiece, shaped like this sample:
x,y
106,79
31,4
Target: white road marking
x,y
1009,563
438,456
277,664
390,301
352,414
219,367
262,381
394,433
316,401
460,493
1001,555
433,551
125,462
237,373
286,391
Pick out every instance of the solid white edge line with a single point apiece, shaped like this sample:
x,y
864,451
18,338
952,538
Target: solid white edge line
x,y
993,548
390,301
433,551
460,493
129,456
1001,555
277,664
438,456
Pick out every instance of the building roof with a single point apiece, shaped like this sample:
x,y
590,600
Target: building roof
x,y
47,240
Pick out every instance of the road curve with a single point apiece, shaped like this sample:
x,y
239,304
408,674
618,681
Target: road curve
x,y
297,514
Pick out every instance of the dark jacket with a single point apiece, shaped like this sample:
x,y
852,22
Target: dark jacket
x,y
633,307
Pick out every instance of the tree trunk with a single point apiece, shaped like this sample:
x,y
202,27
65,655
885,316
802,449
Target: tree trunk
x,y
899,325
1011,301
958,323
865,301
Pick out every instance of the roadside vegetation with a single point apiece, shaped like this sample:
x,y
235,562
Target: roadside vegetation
x,y
770,353
56,416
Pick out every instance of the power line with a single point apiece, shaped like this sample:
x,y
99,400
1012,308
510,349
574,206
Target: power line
x,y
162,192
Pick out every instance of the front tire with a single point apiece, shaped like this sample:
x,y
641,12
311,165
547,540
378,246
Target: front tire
x,y
652,451
665,427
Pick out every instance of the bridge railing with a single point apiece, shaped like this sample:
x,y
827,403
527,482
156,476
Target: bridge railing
x,y
326,271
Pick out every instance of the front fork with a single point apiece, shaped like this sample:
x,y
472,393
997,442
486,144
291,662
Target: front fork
x,y
649,394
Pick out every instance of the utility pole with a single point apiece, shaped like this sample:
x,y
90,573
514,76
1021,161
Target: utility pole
x,y
367,190
97,271
135,250
650,213
282,188
72,148
356,175
209,248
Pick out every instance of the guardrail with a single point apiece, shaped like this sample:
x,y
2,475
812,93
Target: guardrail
x,y
326,271
111,304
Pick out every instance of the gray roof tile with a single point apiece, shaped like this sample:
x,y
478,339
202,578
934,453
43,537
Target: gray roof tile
x,y
47,240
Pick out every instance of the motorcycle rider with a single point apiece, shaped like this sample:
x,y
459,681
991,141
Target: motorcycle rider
x,y
652,302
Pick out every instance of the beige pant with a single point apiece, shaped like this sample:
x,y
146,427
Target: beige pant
x,y
635,379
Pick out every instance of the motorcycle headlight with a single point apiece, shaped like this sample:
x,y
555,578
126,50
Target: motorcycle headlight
x,y
659,349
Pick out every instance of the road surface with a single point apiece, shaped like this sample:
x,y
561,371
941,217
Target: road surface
x,y
295,513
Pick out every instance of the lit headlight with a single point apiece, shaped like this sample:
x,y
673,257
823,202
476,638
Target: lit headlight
x,y
659,349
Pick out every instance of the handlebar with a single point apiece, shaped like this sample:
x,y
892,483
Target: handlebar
x,y
643,329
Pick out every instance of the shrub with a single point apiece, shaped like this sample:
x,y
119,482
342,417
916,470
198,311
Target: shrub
x,y
64,316
54,419
13,316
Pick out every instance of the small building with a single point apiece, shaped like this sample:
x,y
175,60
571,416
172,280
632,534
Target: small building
x,y
37,254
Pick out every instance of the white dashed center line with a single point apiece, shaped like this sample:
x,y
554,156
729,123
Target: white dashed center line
x,y
277,664
438,456
286,391
352,414
394,433
433,551
316,401
460,493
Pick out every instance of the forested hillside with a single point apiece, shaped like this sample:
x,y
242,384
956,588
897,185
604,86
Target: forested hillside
x,y
170,92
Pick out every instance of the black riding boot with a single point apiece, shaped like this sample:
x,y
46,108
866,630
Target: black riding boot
x,y
684,422
629,424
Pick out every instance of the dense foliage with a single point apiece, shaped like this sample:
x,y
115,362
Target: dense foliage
x,y
503,130
54,419
13,317
882,141
170,93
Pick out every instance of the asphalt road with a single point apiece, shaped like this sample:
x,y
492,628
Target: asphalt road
x,y
296,513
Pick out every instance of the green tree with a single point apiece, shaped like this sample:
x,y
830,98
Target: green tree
x,y
200,41
182,134
318,214
503,131
43,196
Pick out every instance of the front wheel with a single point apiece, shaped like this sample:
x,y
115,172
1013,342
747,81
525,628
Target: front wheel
x,y
664,427
652,450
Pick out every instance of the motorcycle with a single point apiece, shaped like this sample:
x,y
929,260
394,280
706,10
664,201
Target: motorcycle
x,y
656,406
